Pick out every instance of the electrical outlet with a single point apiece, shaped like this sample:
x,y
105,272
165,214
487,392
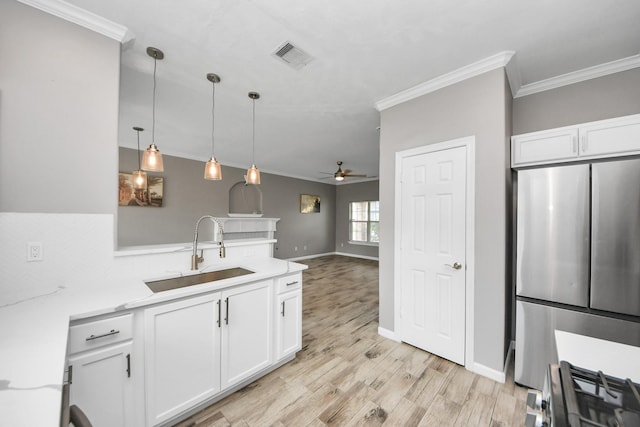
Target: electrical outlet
x,y
304,247
295,249
34,251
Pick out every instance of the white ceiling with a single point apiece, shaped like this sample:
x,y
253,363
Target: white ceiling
x,y
363,50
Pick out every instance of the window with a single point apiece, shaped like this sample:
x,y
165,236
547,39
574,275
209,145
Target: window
x,y
364,222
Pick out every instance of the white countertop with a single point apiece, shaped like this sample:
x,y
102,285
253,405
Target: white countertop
x,y
33,332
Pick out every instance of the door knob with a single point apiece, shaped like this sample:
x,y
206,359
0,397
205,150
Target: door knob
x,y
455,266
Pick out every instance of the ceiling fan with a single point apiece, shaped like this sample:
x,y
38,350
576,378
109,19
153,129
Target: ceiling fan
x,y
341,174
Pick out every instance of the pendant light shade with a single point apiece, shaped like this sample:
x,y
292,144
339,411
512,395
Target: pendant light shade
x,y
139,176
253,173
152,158
213,170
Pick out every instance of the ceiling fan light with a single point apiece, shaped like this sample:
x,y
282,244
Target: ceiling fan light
x,y
339,178
253,175
213,170
139,180
152,159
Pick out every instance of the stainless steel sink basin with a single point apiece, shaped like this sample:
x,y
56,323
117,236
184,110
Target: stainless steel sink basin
x,y
195,279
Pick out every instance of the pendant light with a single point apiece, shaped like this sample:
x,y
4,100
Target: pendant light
x,y
213,170
253,173
152,158
139,176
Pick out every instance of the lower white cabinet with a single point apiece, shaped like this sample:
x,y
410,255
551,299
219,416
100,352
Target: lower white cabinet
x,y
182,355
246,331
289,328
197,347
99,371
288,315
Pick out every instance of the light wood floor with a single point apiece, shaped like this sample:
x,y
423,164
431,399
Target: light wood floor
x,y
346,374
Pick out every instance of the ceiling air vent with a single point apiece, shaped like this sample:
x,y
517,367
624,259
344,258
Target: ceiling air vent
x,y
292,55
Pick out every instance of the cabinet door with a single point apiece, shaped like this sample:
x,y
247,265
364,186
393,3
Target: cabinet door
x,y
101,385
609,138
289,324
545,147
246,332
182,355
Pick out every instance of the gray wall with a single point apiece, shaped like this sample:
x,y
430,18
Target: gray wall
x,y
477,107
58,114
187,196
346,193
597,99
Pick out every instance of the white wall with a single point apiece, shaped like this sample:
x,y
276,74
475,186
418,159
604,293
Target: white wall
x,y
58,114
473,107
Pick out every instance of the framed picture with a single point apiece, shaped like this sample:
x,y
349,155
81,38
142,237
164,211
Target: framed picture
x,y
150,196
309,203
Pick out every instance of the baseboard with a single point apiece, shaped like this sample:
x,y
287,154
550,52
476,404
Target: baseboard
x,y
356,256
332,253
310,256
499,376
388,334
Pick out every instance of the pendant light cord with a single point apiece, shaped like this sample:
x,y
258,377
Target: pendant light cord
x,y
153,112
213,106
253,151
139,164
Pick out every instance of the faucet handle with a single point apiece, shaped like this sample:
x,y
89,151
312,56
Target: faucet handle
x,y
201,257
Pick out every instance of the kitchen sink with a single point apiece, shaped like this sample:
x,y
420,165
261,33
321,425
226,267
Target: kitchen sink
x,y
196,279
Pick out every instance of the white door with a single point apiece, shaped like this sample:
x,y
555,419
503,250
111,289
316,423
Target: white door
x,y
432,252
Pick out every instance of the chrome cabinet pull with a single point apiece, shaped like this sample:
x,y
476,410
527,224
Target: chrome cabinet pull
x,y
219,313
455,266
95,337
292,283
129,365
282,308
226,318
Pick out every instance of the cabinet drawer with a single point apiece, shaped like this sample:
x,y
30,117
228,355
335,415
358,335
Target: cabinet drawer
x,y
87,336
289,283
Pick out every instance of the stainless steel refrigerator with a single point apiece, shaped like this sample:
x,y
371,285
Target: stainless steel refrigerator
x,y
577,259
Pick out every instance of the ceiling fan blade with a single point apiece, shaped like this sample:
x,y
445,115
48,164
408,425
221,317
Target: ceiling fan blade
x,y
356,175
346,171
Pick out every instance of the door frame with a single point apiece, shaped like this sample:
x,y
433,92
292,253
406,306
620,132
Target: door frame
x,y
469,143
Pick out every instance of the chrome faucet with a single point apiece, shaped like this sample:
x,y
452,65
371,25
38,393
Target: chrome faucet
x,y
195,259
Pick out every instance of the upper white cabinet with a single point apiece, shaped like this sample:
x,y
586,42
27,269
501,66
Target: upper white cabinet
x,y
601,139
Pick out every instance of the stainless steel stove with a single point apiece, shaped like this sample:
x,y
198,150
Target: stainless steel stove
x,y
577,397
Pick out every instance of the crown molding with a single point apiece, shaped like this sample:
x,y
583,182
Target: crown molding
x,y
84,18
491,63
589,73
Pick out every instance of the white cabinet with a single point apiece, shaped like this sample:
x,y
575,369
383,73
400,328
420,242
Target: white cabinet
x,y
200,346
615,137
182,355
601,139
246,331
289,315
100,375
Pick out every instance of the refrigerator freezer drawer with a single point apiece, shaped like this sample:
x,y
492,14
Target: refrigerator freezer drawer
x,y
615,244
553,234
535,342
